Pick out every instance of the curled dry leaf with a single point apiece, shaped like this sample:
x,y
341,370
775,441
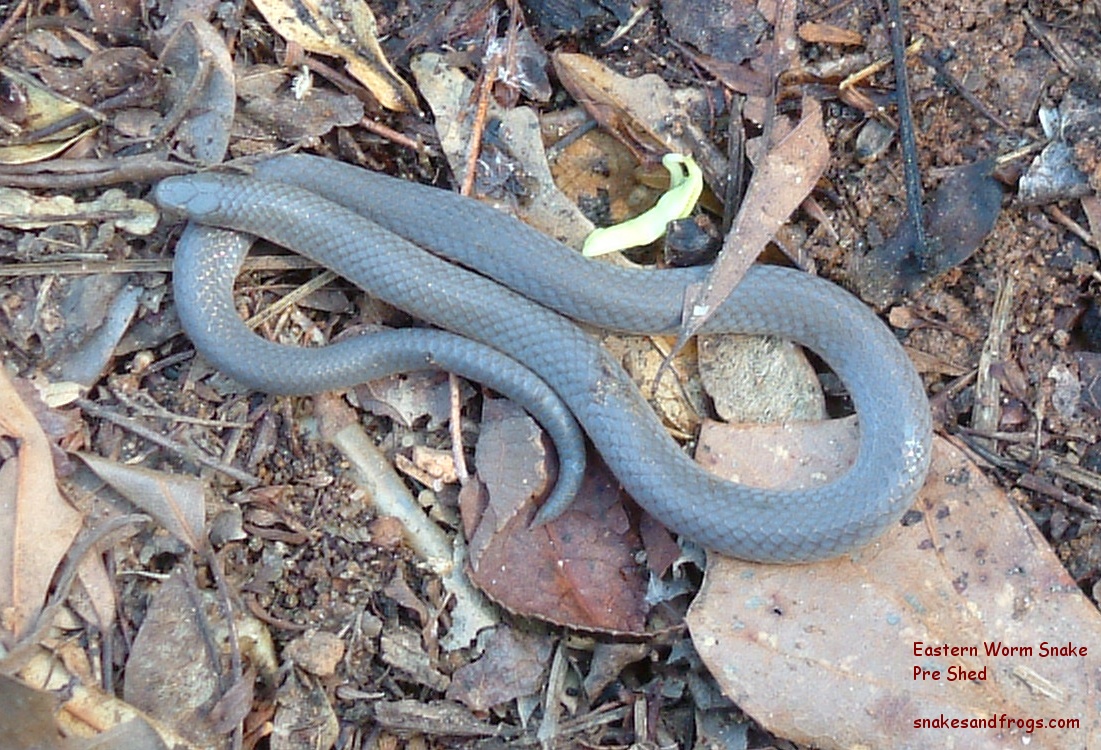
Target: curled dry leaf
x,y
967,569
346,29
450,94
644,113
37,525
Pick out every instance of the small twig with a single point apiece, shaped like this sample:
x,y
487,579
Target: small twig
x,y
986,413
100,265
191,454
963,91
1063,58
456,430
9,25
290,299
915,210
477,128
400,139
154,410
55,175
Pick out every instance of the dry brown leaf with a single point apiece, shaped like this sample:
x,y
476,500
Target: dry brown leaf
x,y
450,94
578,570
344,29
37,525
791,455
966,569
629,108
169,674
25,210
824,33
269,106
202,80
781,181
175,501
87,712
512,665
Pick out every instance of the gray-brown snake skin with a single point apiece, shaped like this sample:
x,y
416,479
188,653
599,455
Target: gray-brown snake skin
x,y
518,303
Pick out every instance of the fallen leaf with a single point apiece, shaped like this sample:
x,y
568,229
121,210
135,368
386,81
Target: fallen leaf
x,y
960,214
782,180
966,568
170,674
513,665
346,29
27,721
579,570
409,398
90,714
271,107
401,648
642,112
37,525
450,95
175,501
202,80
789,455
28,210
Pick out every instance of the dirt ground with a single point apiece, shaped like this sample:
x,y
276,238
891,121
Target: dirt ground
x,y
1007,338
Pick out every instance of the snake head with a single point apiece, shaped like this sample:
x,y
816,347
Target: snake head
x,y
194,196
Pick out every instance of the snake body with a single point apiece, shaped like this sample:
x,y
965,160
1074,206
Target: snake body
x,y
514,291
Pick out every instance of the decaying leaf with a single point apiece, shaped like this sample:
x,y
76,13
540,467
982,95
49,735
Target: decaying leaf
x,y
344,29
27,721
960,214
270,107
519,158
513,665
643,112
304,717
578,570
37,525
965,569
170,674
